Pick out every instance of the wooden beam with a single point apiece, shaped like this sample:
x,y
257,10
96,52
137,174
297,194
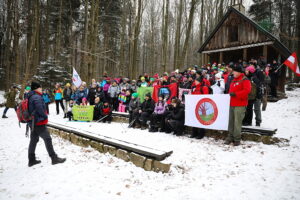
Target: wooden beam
x,y
239,47
265,51
221,57
245,54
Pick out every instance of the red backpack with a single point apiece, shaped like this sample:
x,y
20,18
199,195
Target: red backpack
x,y
23,113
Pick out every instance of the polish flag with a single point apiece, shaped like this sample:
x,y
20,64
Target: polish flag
x,y
292,63
76,78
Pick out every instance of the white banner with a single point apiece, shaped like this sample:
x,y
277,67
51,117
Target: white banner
x,y
76,78
207,111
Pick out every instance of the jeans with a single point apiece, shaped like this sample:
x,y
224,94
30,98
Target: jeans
x,y
66,105
257,111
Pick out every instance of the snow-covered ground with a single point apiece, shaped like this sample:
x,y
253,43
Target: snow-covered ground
x,y
2,99
201,169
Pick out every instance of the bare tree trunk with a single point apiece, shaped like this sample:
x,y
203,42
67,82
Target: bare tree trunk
x,y
136,39
165,37
188,32
177,35
201,29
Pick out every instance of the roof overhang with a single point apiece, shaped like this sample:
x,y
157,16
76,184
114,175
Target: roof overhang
x,y
239,47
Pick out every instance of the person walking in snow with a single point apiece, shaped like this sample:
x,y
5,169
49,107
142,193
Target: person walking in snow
x,y
37,108
10,100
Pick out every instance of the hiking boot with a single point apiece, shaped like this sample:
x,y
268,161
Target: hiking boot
x,y
143,127
236,143
227,142
4,116
65,116
57,160
257,124
33,162
137,126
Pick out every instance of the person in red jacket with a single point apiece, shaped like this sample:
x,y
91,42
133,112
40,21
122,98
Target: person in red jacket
x,y
199,88
239,89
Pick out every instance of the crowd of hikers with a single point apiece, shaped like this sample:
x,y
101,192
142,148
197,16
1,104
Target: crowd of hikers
x,y
120,94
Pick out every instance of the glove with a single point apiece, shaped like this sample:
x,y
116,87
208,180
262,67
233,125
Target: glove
x,y
232,94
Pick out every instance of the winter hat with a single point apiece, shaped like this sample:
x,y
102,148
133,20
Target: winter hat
x,y
27,88
238,68
161,95
251,69
35,85
142,78
177,71
199,79
152,79
218,75
135,95
68,84
156,76
148,95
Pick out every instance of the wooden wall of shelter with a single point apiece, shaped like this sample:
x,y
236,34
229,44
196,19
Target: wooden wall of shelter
x,y
238,37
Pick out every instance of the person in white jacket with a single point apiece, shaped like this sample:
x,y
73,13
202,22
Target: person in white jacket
x,y
219,86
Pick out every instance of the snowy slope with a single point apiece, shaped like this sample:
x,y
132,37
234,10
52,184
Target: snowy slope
x,y
201,169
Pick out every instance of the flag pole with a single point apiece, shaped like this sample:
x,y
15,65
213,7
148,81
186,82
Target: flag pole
x,y
279,68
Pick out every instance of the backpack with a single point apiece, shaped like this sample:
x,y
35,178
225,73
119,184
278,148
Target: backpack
x,y
252,94
23,113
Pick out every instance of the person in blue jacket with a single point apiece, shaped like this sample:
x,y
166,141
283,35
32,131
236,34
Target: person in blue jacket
x,y
37,108
47,100
58,96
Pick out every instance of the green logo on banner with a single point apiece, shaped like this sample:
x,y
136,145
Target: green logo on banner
x,y
83,113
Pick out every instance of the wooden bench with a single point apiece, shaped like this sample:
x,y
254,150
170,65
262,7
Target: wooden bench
x,y
129,146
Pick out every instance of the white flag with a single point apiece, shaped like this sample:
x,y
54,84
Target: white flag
x,y
207,111
76,78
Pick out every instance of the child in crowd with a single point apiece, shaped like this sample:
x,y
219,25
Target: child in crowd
x,y
70,113
97,108
47,100
106,112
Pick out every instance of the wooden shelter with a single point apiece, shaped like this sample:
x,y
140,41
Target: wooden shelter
x,y
238,37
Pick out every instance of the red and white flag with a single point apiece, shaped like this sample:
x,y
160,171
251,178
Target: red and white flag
x,y
292,63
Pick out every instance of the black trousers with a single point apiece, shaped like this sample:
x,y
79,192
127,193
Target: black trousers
x,y
57,102
40,131
144,116
155,118
6,109
198,132
249,113
115,103
174,125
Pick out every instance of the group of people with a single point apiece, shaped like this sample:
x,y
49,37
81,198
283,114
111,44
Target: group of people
x,y
245,82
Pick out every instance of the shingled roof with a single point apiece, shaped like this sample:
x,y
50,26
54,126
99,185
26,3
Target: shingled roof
x,y
277,44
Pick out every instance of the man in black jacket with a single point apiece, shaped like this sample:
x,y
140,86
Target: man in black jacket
x,y
37,108
145,111
175,119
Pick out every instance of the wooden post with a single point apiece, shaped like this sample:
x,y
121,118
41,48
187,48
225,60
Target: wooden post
x,y
265,52
202,59
221,57
245,54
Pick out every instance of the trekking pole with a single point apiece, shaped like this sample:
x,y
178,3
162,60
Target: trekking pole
x,y
131,123
100,119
